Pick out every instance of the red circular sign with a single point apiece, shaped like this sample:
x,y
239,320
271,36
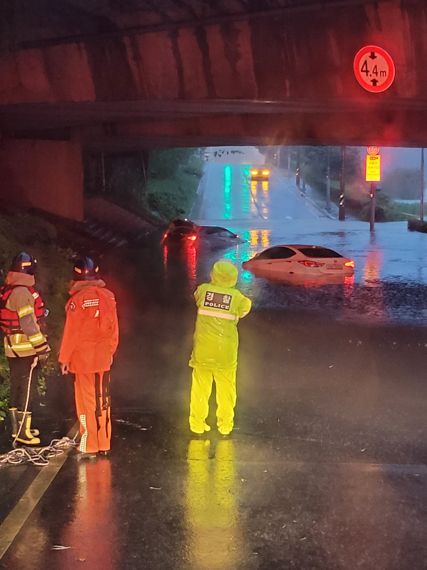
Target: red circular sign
x,y
373,150
374,69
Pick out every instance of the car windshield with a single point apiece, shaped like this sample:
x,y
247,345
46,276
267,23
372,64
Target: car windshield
x,y
181,224
276,253
215,230
315,251
182,230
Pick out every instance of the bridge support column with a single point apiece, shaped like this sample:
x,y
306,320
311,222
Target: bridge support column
x,y
47,175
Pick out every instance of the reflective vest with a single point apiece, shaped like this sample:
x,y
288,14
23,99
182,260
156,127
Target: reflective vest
x,y
9,320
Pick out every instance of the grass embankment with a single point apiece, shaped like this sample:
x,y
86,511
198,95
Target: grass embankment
x,y
172,183
172,197
358,202
27,232
158,188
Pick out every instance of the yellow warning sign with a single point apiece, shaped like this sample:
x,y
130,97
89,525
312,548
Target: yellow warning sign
x,y
373,168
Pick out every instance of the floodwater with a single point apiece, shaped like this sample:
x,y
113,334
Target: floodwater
x,y
390,280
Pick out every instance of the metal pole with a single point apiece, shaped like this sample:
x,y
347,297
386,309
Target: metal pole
x,y
289,162
328,180
372,195
298,169
341,212
422,187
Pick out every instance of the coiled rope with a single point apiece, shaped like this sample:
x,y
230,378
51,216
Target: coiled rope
x,y
38,456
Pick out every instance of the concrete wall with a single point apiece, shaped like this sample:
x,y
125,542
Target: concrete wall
x,y
42,174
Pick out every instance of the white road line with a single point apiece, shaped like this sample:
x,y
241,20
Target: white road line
x,y
16,519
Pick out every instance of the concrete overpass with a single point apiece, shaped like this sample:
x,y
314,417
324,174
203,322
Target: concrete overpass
x,y
131,74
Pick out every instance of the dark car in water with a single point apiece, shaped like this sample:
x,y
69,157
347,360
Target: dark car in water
x,y
216,236
179,232
183,231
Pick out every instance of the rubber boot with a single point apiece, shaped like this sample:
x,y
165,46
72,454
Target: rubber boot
x,y
25,435
13,421
13,415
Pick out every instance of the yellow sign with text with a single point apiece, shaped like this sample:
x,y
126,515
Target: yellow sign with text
x,y
373,168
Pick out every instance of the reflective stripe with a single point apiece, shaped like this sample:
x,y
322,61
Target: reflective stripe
x,y
21,346
83,441
217,314
24,311
36,338
19,342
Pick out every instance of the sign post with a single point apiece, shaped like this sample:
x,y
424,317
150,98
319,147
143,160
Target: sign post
x,y
341,208
373,175
422,187
328,180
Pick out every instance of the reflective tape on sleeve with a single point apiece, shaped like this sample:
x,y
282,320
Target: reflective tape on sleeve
x,y
24,311
217,314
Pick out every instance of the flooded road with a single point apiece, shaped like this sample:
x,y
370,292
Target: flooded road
x,y
390,281
327,466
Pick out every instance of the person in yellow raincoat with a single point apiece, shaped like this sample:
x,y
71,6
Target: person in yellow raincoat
x,y
219,307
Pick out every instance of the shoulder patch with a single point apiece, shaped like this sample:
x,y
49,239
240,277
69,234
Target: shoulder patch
x,y
72,306
87,303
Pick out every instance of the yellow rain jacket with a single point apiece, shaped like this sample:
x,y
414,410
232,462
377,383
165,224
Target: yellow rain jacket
x,y
219,308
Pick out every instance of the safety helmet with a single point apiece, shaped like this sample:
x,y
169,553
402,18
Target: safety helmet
x,y
85,269
24,263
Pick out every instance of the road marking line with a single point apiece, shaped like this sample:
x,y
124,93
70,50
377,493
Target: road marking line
x,y
18,516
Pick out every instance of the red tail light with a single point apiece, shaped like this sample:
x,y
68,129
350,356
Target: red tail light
x,y
192,238
349,264
309,263
165,235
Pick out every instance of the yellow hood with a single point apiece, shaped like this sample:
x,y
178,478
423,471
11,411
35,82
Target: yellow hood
x,y
224,274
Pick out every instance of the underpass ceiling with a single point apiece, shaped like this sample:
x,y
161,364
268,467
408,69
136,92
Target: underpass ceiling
x,y
29,23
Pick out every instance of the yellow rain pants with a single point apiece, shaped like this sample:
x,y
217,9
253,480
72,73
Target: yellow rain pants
x,y
201,388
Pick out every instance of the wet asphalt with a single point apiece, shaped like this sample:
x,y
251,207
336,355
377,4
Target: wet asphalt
x,y
327,467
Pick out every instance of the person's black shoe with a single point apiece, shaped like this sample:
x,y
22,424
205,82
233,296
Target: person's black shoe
x,y
104,453
82,456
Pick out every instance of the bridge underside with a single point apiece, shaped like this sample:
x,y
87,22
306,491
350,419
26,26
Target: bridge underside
x,y
133,125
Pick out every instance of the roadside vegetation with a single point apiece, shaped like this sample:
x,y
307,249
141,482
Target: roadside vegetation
x,y
401,183
22,231
158,185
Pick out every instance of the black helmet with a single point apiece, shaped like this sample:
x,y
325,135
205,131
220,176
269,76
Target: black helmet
x,y
85,269
24,263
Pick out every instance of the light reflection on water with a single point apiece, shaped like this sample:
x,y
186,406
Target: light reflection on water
x,y
211,506
227,192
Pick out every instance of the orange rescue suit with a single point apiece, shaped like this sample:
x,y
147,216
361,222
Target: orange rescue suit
x,y
91,332
90,339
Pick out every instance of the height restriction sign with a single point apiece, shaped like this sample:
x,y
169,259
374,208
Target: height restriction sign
x,y
374,69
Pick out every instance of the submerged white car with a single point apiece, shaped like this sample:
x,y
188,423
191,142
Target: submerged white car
x,y
282,261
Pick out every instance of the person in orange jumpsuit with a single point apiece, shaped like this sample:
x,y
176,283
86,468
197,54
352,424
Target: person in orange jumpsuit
x,y
89,342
